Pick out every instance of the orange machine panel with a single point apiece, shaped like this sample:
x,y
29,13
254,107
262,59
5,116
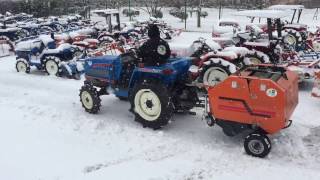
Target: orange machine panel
x,y
266,100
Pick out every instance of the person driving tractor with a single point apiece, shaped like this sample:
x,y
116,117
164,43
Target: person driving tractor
x,y
155,51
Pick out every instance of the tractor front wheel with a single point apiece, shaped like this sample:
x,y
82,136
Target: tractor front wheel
x,y
22,66
257,144
89,97
292,37
52,65
151,104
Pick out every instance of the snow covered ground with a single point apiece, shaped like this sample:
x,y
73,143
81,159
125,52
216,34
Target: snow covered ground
x,y
46,135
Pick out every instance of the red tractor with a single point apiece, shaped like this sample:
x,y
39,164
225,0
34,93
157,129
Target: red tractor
x,y
294,32
260,99
211,66
267,46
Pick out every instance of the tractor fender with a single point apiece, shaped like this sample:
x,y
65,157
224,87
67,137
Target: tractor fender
x,y
232,67
104,36
146,73
266,58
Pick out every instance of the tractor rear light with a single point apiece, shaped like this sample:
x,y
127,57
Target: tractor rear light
x,y
167,71
263,87
141,65
234,84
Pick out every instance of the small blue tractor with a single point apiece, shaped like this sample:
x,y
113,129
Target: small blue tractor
x,y
154,92
42,53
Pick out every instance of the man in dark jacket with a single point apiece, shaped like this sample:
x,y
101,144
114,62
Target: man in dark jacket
x,y
155,51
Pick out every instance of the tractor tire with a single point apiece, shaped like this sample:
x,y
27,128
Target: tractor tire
x,y
257,144
46,29
78,54
52,65
22,65
59,28
292,37
216,70
256,57
316,46
151,104
105,40
90,99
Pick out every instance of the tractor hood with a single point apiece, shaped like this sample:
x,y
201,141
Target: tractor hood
x,y
100,67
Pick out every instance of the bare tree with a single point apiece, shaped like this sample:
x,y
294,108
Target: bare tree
x,y
152,7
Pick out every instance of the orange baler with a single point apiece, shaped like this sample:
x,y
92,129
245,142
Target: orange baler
x,y
259,98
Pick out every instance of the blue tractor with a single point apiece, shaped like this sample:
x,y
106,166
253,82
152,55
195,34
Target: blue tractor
x,y
42,53
154,92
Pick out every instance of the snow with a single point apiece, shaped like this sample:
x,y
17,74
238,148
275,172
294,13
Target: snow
x,y
46,134
4,49
286,7
316,91
28,45
262,13
46,39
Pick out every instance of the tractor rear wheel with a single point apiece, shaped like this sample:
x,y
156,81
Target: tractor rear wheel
x,y
105,41
151,104
22,66
52,65
89,97
215,71
257,144
292,37
256,57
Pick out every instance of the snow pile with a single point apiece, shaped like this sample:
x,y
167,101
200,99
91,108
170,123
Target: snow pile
x,y
28,45
60,48
240,51
46,39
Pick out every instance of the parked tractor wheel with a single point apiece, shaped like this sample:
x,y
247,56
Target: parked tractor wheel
x,y
22,66
292,37
78,54
46,29
316,46
105,41
215,71
89,97
257,144
52,65
59,28
152,104
256,57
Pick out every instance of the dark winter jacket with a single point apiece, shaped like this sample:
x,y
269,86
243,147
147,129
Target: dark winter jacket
x,y
154,52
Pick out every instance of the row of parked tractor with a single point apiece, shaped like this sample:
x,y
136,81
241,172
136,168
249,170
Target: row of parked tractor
x,y
58,46
246,83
